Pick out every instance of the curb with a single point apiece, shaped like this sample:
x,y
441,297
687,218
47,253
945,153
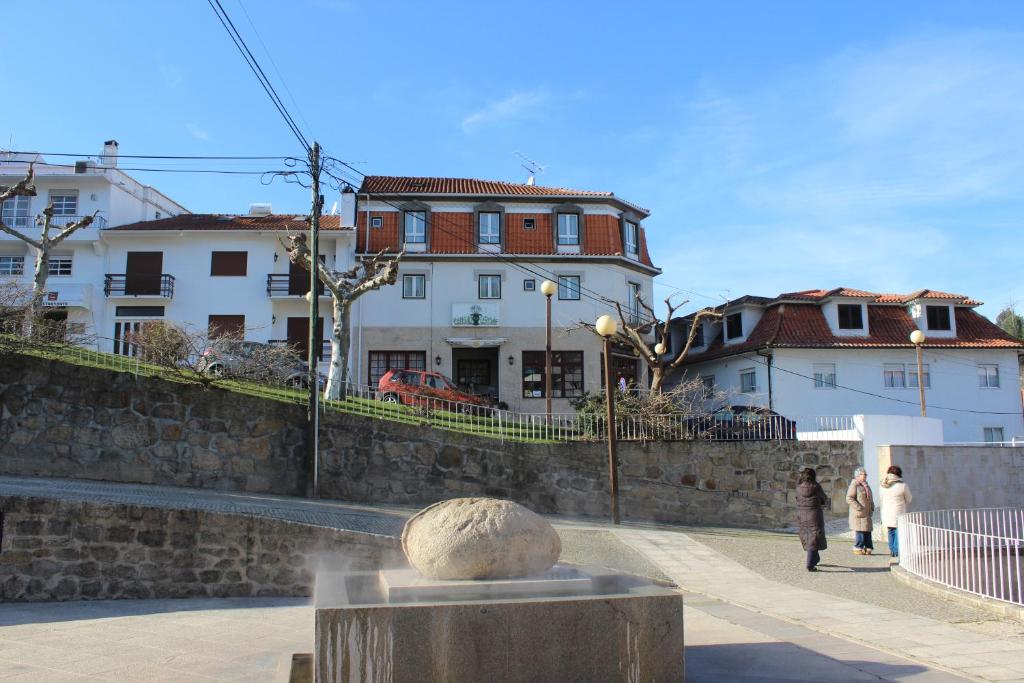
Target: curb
x,y
997,607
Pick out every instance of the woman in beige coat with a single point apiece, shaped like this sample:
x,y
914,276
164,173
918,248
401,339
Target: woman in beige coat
x,y
895,498
862,506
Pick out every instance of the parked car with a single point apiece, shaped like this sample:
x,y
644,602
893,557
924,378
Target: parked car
x,y
427,389
743,423
256,361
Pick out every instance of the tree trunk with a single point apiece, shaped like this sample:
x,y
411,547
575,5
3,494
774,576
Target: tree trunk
x,y
657,377
337,375
38,290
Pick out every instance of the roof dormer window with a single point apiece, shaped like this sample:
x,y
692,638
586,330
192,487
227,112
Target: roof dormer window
x,y
938,318
631,239
851,317
734,326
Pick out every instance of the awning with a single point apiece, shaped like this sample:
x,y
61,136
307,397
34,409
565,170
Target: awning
x,y
468,342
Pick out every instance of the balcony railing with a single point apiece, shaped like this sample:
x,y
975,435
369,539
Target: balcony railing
x,y
26,222
122,284
286,284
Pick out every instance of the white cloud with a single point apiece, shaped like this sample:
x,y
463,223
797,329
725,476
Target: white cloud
x,y
197,132
516,106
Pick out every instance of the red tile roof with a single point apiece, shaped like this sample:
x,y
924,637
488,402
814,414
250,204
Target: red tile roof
x,y
412,185
216,221
821,294
789,325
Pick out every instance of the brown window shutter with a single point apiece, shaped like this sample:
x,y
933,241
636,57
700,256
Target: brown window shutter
x,y
227,326
228,262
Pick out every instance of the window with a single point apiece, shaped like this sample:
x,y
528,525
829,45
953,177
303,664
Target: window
x,y
64,202
15,212
414,286
824,376
568,228
139,311
912,375
416,227
988,376
569,287
698,339
566,374
630,238
734,326
60,266
529,223
709,382
376,221
993,434
12,265
529,285
489,228
748,381
228,262
851,317
893,376
938,317
382,361
490,286
232,326
157,216
634,303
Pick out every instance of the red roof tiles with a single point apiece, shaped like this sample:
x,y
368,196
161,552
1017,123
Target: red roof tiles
x,y
215,221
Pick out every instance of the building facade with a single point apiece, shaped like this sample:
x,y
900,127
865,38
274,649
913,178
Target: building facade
x,y
844,351
468,301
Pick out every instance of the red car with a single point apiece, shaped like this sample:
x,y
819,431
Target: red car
x,y
426,389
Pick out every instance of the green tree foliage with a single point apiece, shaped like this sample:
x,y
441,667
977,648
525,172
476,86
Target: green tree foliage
x,y
1011,322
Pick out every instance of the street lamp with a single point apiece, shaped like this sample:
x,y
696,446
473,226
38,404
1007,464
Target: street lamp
x,y
606,327
548,288
917,338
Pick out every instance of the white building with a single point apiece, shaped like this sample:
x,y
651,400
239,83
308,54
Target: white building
x,y
843,352
75,189
468,302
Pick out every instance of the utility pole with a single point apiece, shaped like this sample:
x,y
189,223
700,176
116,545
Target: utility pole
x,y
313,413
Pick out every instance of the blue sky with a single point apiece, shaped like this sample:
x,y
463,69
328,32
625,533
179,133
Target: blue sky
x,y
780,146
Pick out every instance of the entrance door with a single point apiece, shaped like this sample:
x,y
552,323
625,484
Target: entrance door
x,y
142,272
476,370
124,330
298,336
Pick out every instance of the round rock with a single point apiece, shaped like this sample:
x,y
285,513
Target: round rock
x,y
479,538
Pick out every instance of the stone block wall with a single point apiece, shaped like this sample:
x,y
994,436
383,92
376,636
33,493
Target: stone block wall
x,y
60,420
955,477
727,483
58,550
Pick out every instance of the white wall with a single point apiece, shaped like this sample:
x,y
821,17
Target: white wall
x,y
954,384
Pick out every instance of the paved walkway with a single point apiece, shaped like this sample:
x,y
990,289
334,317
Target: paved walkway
x,y
740,625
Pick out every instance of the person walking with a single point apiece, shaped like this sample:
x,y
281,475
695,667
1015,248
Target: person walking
x,y
859,498
810,518
895,496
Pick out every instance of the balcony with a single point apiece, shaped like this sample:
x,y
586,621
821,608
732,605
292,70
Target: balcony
x,y
26,222
281,285
149,286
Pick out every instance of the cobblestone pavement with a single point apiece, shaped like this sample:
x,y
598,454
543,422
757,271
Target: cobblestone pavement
x,y
696,567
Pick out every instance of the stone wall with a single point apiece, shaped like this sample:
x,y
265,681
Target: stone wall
x,y
57,550
68,421
59,420
727,483
955,477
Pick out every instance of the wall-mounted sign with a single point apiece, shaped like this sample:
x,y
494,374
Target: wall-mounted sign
x,y
475,315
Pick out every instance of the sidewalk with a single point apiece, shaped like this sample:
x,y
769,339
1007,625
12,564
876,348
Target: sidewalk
x,y
699,569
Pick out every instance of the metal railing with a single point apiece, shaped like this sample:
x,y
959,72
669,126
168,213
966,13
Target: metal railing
x,y
121,284
286,284
977,551
60,221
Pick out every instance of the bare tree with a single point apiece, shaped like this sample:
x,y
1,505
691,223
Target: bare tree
x,y
43,246
345,288
634,333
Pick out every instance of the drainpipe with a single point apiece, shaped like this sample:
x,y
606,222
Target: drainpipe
x,y
767,354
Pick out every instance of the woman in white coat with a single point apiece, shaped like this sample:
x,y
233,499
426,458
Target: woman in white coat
x,y
895,498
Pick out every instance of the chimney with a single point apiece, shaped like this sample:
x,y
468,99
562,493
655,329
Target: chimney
x,y
261,209
348,207
109,156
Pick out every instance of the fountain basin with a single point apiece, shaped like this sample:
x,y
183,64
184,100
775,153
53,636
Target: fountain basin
x,y
569,624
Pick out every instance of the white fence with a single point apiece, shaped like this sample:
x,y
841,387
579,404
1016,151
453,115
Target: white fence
x,y
977,551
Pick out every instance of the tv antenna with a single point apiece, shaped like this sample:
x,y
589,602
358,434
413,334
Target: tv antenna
x,y
531,166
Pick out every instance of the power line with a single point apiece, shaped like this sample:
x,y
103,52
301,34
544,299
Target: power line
x,y
179,170
257,70
282,157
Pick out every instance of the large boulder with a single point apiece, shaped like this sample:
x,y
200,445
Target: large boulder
x,y
479,538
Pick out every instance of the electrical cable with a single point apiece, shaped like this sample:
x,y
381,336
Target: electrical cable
x,y
147,156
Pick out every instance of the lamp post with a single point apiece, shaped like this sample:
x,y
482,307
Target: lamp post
x,y
548,288
917,338
606,327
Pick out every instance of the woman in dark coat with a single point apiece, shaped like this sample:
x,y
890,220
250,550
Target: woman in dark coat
x,y
809,515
